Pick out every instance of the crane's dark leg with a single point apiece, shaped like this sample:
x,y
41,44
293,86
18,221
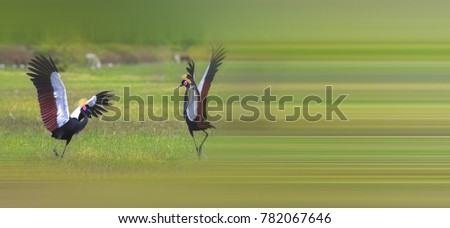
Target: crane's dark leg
x,y
54,149
201,145
67,143
195,143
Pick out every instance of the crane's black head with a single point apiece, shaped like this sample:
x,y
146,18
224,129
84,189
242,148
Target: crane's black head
x,y
186,82
87,110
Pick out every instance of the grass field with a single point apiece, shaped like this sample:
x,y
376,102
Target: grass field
x,y
392,152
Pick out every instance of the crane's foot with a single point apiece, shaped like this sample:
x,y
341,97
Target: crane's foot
x,y
56,152
201,155
198,154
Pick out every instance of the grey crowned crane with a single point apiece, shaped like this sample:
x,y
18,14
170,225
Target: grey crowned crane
x,y
196,96
53,102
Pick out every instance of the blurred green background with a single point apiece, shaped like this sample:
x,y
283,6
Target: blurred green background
x,y
390,57
173,21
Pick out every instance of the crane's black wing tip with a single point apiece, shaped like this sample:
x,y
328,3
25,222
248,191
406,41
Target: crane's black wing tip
x,y
42,64
218,53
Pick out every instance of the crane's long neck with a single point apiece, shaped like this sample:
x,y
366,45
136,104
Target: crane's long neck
x,y
84,120
186,100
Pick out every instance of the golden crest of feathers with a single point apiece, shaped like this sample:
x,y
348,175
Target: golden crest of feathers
x,y
185,77
82,102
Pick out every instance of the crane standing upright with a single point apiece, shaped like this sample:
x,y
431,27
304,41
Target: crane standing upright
x,y
195,98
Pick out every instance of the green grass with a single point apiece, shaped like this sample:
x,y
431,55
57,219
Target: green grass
x,y
393,152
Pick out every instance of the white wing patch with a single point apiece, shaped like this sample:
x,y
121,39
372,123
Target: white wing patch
x,y
91,102
193,102
59,92
200,85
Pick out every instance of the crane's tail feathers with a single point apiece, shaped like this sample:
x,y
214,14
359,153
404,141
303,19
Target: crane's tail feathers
x,y
207,125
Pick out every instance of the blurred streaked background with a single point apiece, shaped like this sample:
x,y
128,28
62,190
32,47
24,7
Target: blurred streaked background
x,y
390,57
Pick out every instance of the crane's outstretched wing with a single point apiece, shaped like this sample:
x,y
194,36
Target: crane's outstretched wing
x,y
217,56
197,97
98,102
95,105
51,92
